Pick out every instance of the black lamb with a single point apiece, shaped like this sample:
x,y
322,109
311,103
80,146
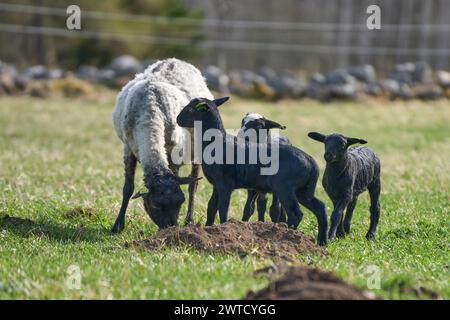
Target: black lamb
x,y
348,173
255,121
295,180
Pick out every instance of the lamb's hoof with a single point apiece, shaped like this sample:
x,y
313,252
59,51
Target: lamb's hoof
x,y
188,223
370,236
118,227
293,225
340,234
322,242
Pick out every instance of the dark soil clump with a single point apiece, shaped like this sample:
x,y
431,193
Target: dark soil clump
x,y
78,212
262,239
301,283
16,221
422,293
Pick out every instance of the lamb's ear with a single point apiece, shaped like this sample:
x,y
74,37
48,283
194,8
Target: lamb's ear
x,y
139,195
351,141
220,101
317,136
187,180
269,124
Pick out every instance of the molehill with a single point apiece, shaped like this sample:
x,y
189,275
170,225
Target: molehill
x,y
261,239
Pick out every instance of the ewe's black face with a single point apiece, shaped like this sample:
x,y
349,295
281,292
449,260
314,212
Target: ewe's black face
x,y
335,145
163,205
198,109
164,199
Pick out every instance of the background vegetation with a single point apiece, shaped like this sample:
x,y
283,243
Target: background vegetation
x,y
71,52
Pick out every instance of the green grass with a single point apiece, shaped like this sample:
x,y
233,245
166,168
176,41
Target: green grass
x,y
57,155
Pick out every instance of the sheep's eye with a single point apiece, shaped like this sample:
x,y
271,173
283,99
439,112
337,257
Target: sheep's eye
x,y
202,107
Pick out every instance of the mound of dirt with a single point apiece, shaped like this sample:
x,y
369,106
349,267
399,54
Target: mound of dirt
x,y
262,239
301,283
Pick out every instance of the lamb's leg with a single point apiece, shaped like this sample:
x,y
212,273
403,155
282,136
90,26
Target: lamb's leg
x,y
224,197
212,208
128,188
290,204
192,188
262,205
336,217
249,204
340,233
349,214
282,215
275,210
374,192
320,211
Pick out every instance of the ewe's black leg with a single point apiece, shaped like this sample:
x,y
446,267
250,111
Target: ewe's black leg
x,y
224,197
262,205
336,217
349,214
128,188
192,189
320,211
249,204
212,208
374,192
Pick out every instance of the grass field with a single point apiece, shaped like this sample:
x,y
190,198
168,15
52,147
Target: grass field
x,y
57,155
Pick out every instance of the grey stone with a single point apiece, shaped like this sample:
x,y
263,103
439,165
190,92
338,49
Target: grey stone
x,y
365,73
216,79
126,66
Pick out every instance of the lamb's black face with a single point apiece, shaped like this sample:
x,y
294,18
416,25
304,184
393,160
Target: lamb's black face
x,y
335,147
260,123
197,110
194,111
256,124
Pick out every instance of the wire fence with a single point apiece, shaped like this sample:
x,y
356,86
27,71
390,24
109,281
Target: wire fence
x,y
218,44
235,24
347,45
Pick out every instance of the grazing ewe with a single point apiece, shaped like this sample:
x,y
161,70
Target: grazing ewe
x,y
349,172
295,180
257,122
145,120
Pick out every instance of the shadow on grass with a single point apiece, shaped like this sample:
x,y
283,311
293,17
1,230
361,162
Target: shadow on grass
x,y
53,231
